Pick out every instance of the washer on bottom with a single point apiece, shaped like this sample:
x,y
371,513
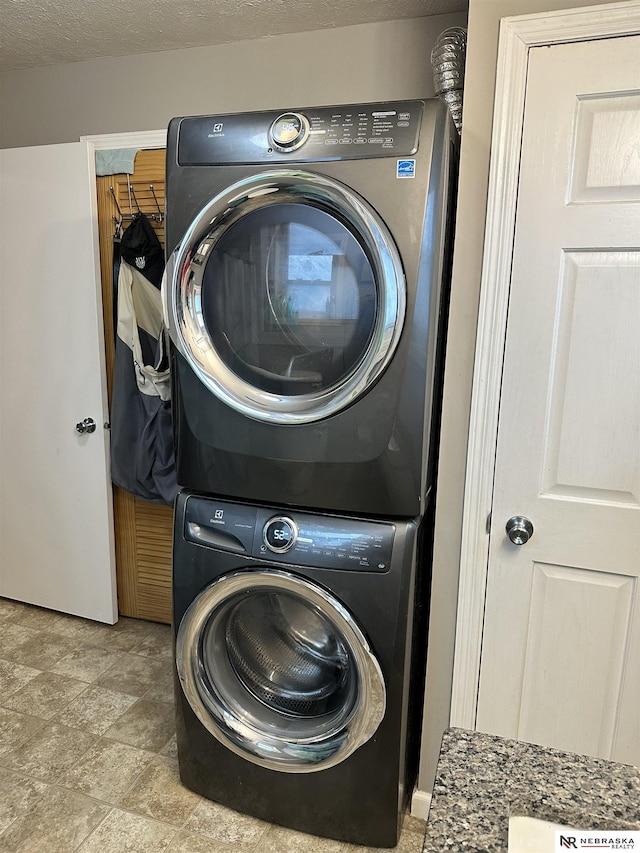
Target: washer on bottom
x,y
298,654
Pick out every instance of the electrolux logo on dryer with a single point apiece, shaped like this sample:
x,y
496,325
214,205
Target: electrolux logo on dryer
x,y
218,130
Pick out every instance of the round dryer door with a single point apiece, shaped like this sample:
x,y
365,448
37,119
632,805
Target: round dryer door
x,y
278,671
286,297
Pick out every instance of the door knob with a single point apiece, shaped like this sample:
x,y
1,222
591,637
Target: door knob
x,y
519,530
87,425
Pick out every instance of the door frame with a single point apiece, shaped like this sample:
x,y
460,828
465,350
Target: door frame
x,y
136,139
518,35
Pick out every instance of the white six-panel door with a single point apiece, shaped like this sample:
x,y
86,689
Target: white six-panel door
x,y
56,528
561,645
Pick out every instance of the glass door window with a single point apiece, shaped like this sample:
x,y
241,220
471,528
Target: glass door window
x,y
289,299
286,297
278,671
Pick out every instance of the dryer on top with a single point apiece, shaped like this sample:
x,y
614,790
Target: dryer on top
x,y
303,294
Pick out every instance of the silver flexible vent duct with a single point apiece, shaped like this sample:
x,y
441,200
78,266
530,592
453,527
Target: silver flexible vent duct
x,y
447,61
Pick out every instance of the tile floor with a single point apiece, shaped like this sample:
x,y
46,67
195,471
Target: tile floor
x,y
87,748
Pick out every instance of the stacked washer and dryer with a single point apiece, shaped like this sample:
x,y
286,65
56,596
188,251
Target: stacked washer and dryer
x,y
304,294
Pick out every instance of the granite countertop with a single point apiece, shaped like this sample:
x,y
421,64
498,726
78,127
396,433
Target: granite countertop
x,y
482,779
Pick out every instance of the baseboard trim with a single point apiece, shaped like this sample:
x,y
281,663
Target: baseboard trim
x,y
420,804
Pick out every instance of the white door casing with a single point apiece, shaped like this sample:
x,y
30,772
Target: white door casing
x,y
556,596
56,525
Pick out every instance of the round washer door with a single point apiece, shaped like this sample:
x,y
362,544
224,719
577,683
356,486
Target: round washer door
x,y
278,671
286,296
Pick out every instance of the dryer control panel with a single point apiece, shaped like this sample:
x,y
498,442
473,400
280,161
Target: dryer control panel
x,y
296,538
344,132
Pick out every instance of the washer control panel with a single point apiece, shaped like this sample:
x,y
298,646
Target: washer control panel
x,y
296,538
350,131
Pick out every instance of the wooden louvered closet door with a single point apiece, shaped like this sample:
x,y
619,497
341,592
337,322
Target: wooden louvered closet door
x,y
143,530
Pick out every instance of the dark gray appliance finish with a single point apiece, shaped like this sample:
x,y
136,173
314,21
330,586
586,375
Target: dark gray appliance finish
x,y
344,427
318,782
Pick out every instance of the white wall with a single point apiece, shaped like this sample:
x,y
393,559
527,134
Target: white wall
x,y
366,62
483,24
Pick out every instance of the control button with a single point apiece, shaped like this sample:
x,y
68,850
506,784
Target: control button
x,y
289,131
280,534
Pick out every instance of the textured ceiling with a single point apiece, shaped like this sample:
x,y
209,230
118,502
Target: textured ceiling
x,y
48,32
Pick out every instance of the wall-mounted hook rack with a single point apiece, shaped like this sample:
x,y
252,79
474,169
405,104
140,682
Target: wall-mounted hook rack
x,y
140,204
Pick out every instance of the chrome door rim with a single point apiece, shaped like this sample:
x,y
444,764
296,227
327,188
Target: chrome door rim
x,y
268,748
183,302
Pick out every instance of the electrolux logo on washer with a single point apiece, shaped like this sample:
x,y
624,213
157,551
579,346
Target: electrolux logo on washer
x,y
218,130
